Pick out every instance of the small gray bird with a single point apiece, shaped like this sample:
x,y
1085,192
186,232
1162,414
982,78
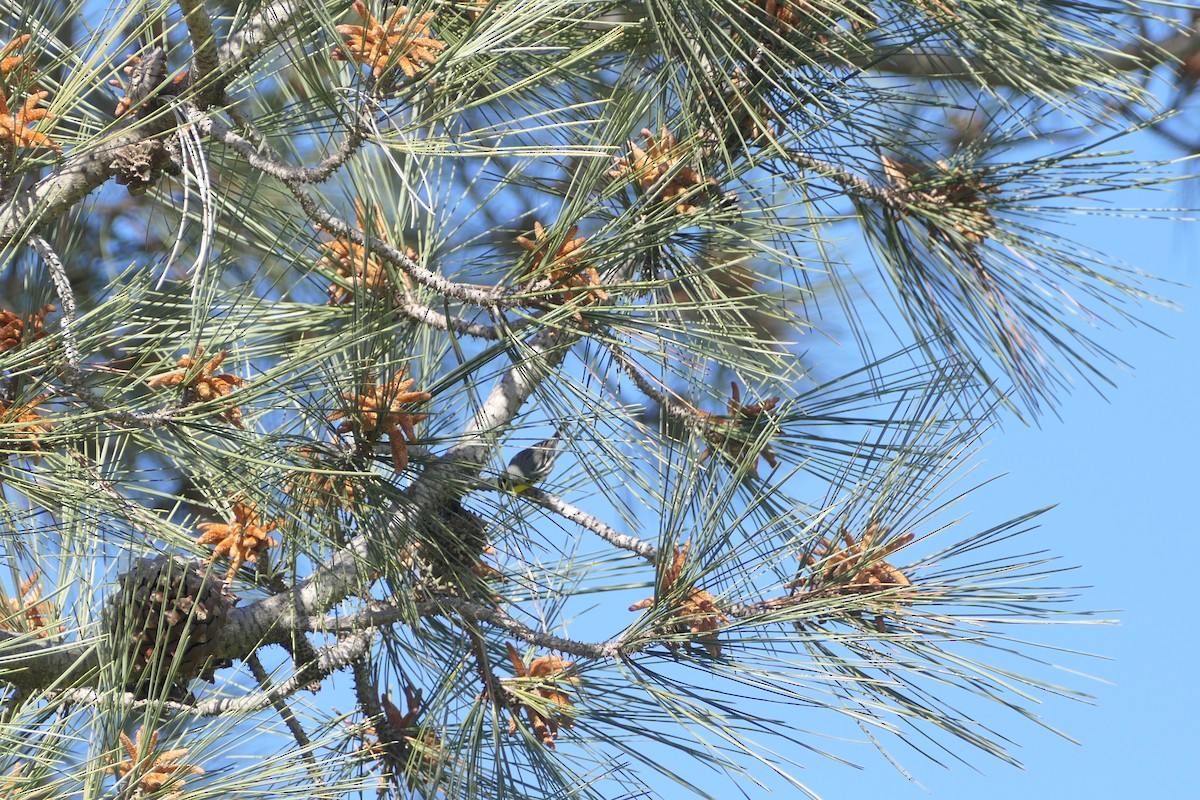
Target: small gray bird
x,y
533,464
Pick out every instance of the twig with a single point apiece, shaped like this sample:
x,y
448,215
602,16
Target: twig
x,y
427,316
263,29
954,67
302,652
492,297
402,301
894,199
289,719
329,659
205,62
672,405
72,371
297,178
272,166
66,299
494,689
366,690
564,509
382,613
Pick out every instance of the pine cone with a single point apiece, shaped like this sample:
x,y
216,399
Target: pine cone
x,y
165,622
451,540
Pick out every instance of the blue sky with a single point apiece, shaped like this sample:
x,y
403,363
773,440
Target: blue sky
x,y
1124,474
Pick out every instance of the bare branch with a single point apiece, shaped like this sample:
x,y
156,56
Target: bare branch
x,y
424,315
273,167
329,659
66,300
854,184
489,297
265,28
941,65
75,179
564,509
380,614
205,60
31,663
498,619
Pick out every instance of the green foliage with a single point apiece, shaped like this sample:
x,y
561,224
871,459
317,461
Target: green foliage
x,y
325,264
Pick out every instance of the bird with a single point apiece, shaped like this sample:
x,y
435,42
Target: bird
x,y
532,465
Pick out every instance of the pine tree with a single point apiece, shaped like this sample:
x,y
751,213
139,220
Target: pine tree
x,y
287,285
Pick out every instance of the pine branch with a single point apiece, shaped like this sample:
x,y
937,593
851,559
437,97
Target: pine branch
x,y
205,59
564,509
948,66
273,617
69,183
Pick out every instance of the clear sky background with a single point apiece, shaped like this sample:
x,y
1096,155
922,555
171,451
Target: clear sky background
x,y
1122,469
